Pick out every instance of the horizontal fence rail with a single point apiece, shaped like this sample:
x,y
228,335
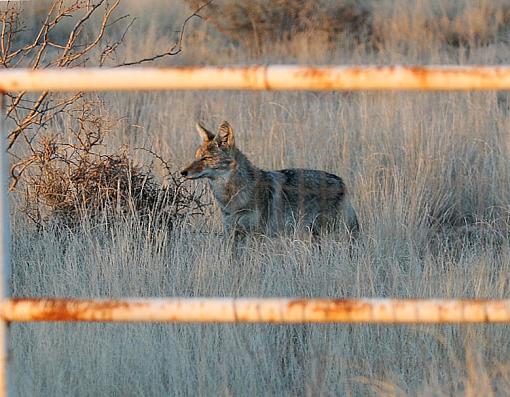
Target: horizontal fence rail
x,y
270,77
259,310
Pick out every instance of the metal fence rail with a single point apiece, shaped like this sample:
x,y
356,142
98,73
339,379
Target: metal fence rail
x,y
259,310
271,77
237,310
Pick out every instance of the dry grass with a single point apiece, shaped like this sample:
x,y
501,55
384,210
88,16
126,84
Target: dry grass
x,y
430,179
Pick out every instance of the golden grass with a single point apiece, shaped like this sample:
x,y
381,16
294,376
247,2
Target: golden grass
x,y
430,179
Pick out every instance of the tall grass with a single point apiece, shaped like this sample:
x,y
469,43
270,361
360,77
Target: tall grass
x,y
428,174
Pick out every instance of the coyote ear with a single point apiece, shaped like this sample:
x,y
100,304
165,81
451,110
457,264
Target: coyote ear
x,y
225,136
204,132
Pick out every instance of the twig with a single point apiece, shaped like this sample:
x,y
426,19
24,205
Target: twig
x,y
31,114
176,48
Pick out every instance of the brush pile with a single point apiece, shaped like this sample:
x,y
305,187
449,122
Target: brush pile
x,y
71,176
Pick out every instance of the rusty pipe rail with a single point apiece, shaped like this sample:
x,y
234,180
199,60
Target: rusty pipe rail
x,y
258,310
269,77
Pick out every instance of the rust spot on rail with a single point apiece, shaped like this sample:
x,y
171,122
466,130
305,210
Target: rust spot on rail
x,y
347,305
67,309
319,76
333,308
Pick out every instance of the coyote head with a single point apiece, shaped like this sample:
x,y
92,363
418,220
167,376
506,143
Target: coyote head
x,y
215,156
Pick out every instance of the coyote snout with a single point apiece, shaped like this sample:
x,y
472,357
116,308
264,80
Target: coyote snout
x,y
214,158
268,202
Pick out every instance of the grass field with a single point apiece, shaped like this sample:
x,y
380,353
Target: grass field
x,y
429,176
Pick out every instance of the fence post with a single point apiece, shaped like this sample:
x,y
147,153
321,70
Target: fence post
x,y
4,250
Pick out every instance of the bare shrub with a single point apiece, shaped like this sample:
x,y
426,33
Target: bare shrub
x,y
56,45
261,25
64,178
255,23
69,175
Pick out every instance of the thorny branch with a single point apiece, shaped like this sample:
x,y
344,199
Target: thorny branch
x,y
51,46
77,179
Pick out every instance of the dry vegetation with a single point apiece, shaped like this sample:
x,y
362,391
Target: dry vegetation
x,y
430,177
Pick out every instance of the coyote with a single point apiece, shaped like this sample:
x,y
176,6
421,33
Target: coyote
x,y
268,202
